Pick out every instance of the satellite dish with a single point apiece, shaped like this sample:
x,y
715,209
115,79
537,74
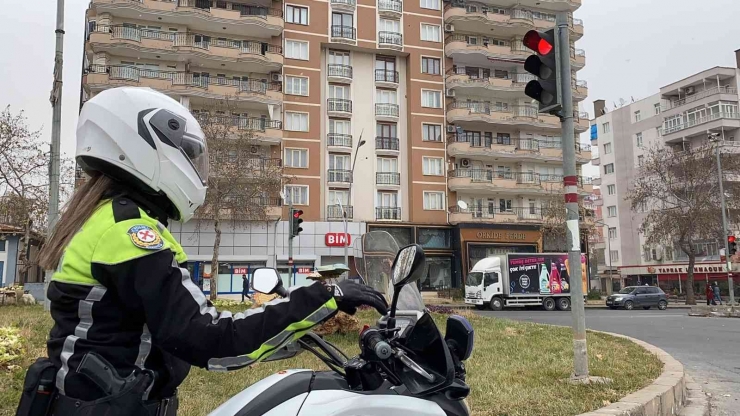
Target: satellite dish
x,y
462,205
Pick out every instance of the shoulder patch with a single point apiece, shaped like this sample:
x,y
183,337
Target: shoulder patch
x,y
144,236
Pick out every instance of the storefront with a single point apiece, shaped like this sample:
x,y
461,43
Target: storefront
x,y
672,278
438,247
477,241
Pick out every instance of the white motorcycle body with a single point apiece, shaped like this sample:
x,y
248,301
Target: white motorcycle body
x,y
285,395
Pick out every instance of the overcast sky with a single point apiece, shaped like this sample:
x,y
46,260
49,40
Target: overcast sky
x,y
633,47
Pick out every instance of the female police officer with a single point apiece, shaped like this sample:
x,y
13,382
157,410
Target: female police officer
x,y
119,291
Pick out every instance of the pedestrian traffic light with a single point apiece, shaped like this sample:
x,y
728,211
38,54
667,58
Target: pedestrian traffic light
x,y
545,66
732,244
295,222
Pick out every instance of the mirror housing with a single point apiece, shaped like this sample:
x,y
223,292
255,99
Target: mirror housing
x,y
460,335
267,280
408,266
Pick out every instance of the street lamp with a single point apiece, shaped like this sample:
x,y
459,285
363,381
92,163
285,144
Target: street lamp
x,y
715,138
349,199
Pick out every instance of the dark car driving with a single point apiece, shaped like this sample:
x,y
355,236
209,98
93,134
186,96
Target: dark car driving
x,y
638,296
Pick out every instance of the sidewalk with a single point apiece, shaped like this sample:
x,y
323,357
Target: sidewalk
x,y
590,304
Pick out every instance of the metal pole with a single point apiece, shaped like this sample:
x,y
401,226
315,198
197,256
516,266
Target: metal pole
x,y
56,125
570,185
724,225
290,237
349,199
609,249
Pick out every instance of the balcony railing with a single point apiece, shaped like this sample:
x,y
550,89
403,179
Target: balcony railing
x,y
517,111
386,110
387,213
243,9
337,70
335,212
390,6
701,120
386,75
491,176
386,143
339,175
339,104
344,32
388,178
344,2
703,94
491,212
339,140
390,38
241,123
518,143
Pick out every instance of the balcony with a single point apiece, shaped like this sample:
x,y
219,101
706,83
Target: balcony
x,y
577,58
700,125
344,34
731,91
596,161
386,145
339,142
102,77
339,73
343,5
387,214
577,28
339,107
386,78
339,177
229,17
510,115
458,48
495,215
264,130
336,213
233,55
507,182
596,181
390,8
390,40
386,111
513,149
388,179
473,81
580,90
598,201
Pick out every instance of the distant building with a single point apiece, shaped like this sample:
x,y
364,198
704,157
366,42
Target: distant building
x,y
12,262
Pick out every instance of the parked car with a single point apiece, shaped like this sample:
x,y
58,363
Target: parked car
x,y
638,296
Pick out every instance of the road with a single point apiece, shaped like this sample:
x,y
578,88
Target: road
x,y
709,348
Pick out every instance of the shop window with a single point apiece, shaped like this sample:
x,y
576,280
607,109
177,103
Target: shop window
x,y
403,235
438,275
434,238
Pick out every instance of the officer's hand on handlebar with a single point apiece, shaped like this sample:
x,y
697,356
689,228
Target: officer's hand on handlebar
x,y
349,295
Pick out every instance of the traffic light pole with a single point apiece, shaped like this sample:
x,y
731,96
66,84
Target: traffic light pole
x,y
290,233
570,185
724,226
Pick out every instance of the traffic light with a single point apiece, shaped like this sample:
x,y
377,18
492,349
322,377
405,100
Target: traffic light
x,y
295,222
732,244
545,66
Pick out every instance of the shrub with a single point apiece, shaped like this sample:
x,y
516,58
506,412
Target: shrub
x,y
594,294
231,304
10,345
444,310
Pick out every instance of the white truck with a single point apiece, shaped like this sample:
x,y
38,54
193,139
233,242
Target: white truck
x,y
519,280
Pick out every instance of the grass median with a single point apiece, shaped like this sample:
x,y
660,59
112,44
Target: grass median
x,y
516,368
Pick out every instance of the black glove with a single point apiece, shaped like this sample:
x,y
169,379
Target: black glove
x,y
349,295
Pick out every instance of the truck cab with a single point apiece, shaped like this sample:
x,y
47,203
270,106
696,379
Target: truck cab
x,y
484,281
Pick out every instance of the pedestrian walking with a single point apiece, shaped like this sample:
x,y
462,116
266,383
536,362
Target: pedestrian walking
x,y
710,295
717,296
245,288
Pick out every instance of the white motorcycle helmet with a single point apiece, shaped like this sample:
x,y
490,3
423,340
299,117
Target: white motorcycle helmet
x,y
142,137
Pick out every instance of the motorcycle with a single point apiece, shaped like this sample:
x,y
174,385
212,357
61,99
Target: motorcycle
x,y
405,365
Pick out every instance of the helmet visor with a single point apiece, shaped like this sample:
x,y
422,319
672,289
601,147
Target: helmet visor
x,y
195,149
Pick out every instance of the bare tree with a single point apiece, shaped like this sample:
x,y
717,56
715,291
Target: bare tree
x,y
24,179
245,177
554,216
676,192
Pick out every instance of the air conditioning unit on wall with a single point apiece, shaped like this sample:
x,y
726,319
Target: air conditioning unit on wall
x,y
450,92
449,28
465,163
450,128
276,77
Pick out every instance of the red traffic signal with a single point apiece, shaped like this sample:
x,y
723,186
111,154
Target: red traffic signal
x,y
297,213
538,42
730,238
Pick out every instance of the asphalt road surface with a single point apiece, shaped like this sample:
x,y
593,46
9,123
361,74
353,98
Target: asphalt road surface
x,y
709,348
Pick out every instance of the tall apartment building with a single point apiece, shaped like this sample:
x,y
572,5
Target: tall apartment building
x,y
681,116
362,102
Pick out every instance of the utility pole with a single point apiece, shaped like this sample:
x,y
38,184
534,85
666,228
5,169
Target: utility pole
x,y
725,229
56,125
570,186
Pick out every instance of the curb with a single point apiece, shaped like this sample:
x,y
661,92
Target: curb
x,y
665,396
697,403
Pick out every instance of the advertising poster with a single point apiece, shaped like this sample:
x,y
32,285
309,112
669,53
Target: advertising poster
x,y
544,274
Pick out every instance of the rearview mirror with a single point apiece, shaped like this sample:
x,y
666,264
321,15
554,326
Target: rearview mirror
x,y
267,280
405,265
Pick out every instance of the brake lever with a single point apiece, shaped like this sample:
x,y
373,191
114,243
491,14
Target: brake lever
x,y
408,362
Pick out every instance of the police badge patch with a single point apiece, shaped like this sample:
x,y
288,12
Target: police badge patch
x,y
145,237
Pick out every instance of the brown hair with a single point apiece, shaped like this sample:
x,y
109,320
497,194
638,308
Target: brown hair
x,y
84,201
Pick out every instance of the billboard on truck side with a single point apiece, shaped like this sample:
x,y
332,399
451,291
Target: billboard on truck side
x,y
542,274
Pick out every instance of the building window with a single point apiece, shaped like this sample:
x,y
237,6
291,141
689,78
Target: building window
x,y
338,194
611,189
434,238
2,246
431,132
656,106
614,255
612,233
607,148
431,99
296,121
434,201
638,117
387,165
606,128
296,15
611,211
609,168
432,166
431,33
388,199
430,4
639,139
296,158
296,49
431,66
339,162
296,85
297,194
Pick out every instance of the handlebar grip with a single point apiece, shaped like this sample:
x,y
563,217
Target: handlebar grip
x,y
379,346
